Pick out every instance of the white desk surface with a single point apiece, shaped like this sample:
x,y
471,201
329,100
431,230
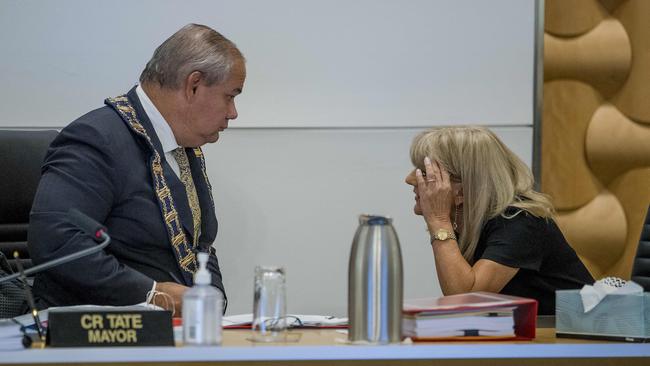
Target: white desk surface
x,y
328,345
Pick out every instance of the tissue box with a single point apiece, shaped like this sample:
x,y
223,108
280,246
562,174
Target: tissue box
x,y
616,317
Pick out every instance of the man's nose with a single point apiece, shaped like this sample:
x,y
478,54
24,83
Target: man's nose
x,y
232,113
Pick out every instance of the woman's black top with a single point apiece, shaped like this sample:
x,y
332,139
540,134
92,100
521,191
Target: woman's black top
x,y
537,247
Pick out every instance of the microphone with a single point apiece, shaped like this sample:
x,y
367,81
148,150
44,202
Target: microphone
x,y
89,226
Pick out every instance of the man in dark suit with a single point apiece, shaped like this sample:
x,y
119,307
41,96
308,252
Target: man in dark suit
x,y
136,166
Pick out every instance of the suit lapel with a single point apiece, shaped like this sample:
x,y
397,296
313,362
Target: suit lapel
x,y
178,208
176,187
169,189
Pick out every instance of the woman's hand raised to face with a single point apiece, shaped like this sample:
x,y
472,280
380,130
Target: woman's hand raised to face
x,y
436,195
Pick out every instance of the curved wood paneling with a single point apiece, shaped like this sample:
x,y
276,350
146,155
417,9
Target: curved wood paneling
x,y
596,231
611,5
631,188
634,98
607,46
615,144
572,17
601,57
568,108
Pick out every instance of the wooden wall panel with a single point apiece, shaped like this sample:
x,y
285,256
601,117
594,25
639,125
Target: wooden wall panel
x,y
596,126
600,57
568,107
630,188
634,97
572,17
615,144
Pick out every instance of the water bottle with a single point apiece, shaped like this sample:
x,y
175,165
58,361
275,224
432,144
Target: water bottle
x,y
375,282
202,309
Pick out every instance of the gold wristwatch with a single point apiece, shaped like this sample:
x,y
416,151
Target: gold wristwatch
x,y
442,235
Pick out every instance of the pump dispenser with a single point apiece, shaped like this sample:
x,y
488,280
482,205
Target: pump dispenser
x,y
202,276
202,309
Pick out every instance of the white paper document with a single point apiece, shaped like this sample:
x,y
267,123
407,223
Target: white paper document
x,y
292,319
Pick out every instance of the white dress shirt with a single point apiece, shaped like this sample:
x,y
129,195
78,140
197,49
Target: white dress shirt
x,y
161,127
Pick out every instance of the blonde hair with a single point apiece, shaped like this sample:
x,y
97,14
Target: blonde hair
x,y
492,177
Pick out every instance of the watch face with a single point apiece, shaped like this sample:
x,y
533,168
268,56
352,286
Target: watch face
x,y
442,235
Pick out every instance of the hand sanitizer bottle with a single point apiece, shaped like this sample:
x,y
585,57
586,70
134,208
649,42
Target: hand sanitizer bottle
x,y
202,309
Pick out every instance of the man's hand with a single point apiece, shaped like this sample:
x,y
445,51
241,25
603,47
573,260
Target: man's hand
x,y
175,292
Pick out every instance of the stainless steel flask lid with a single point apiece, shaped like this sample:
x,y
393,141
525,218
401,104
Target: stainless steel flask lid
x,y
368,219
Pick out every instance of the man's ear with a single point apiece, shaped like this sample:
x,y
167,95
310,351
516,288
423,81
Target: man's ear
x,y
192,82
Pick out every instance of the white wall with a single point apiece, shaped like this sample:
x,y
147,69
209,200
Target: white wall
x,y
292,197
310,63
335,92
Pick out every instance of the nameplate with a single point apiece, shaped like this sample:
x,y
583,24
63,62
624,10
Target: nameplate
x,y
106,328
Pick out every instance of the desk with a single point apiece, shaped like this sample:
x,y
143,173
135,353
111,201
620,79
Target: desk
x,y
324,347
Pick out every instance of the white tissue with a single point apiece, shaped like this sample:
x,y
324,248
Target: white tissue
x,y
593,295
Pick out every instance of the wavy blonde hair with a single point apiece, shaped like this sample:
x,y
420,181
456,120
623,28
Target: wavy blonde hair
x,y
492,177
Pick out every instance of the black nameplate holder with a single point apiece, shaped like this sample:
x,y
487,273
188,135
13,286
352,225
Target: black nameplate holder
x,y
109,327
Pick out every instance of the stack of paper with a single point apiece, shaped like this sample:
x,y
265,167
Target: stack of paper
x,y
495,322
481,315
11,337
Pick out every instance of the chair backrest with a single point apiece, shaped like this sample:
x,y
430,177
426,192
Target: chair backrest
x,y
21,158
641,267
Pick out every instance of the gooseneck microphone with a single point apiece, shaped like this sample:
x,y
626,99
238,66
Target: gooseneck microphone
x,y
89,226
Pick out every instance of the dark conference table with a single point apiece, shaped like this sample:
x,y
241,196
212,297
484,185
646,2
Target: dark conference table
x,y
328,346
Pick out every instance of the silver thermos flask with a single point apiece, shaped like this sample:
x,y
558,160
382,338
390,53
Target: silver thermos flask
x,y
375,282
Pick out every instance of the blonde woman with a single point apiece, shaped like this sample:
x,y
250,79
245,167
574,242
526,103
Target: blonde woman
x,y
490,231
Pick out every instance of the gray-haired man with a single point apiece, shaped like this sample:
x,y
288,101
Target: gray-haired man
x,y
136,166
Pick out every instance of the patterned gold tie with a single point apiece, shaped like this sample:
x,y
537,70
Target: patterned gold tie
x,y
190,189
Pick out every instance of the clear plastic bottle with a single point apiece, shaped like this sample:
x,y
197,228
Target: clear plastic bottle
x,y
202,309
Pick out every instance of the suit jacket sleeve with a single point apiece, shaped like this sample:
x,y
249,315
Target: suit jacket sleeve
x,y
80,171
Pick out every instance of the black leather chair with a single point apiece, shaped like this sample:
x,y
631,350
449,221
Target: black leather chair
x,y
21,157
641,267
